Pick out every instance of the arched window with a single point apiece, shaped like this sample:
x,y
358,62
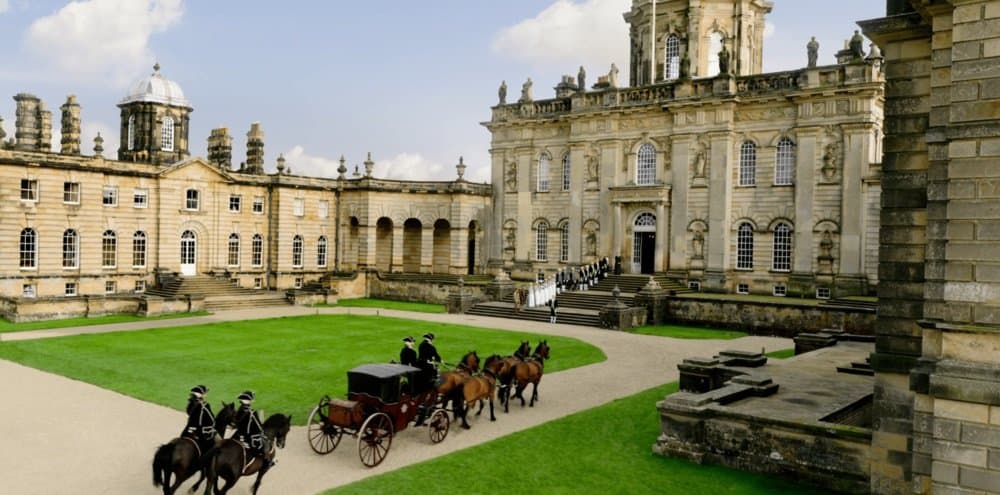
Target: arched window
x,y
131,133
257,250
543,172
233,258
744,247
672,62
541,241
321,251
566,172
784,168
167,134
139,249
714,47
748,163
109,249
645,170
564,243
297,251
29,248
781,259
71,249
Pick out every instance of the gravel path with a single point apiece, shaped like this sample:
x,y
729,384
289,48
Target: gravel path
x,y
63,436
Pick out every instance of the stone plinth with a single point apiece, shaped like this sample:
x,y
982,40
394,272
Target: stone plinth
x,y
653,298
617,316
499,288
459,303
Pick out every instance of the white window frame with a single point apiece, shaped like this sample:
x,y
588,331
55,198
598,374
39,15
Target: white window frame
x,y
29,190
297,283
109,196
645,165
297,247
694,285
192,199
257,250
321,252
140,246
779,290
235,203
784,163
140,198
743,289
167,134
233,250
748,164
258,205
542,241
566,172
71,249
323,210
299,207
744,246
29,291
258,283
70,289
823,293
110,287
544,162
28,249
140,286
109,249
564,243
71,193
781,249
672,58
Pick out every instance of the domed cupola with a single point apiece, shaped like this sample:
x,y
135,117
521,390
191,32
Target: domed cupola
x,y
154,121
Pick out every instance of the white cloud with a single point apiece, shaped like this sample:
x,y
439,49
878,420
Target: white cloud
x,y
404,166
303,163
413,166
4,6
768,29
89,130
102,40
590,32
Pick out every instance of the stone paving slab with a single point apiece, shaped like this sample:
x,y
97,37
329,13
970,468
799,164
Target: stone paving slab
x,y
74,438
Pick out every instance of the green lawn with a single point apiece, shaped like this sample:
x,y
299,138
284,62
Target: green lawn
x,y
782,354
6,326
687,332
601,450
366,302
289,362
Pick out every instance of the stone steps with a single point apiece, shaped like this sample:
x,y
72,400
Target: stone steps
x,y
571,316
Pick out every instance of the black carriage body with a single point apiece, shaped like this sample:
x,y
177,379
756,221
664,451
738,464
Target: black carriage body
x,y
382,381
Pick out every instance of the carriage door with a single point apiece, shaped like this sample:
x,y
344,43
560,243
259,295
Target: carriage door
x,y
644,243
189,246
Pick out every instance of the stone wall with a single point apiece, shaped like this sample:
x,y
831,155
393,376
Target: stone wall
x,y
767,318
350,287
434,293
51,308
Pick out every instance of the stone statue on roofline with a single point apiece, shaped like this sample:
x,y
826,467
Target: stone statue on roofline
x,y
812,50
724,59
502,92
857,45
613,76
526,92
581,80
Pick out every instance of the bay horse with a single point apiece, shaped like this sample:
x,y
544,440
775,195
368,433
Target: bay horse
x,y
229,460
451,381
479,387
530,371
181,457
506,375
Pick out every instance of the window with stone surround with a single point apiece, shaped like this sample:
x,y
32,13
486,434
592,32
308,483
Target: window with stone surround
x,y
672,57
645,169
140,286
541,241
235,203
258,205
139,249
564,242
140,198
109,196
71,249
71,193
779,290
299,207
744,247
784,165
110,287
748,163
109,249
822,293
28,248
321,252
324,209
29,190
297,251
543,172
781,257
743,289
566,170
191,199
167,134
257,250
69,290
28,290
233,258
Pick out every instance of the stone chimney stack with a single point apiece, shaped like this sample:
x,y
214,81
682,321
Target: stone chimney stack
x,y
220,148
26,122
255,150
70,127
44,128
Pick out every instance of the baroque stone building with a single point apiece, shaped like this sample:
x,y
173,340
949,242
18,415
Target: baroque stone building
x,y
704,168
83,225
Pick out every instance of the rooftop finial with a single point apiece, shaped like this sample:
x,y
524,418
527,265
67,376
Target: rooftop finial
x,y
156,67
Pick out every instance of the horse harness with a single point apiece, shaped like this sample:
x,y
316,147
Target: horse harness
x,y
248,462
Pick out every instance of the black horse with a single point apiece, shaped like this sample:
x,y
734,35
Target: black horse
x,y
181,457
229,460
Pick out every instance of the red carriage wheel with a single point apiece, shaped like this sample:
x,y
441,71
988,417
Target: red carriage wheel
x,y
438,425
375,439
323,435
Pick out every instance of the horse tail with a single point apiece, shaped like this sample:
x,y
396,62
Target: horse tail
x,y
161,463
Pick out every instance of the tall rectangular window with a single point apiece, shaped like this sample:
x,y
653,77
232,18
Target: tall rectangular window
x,y
784,168
139,249
71,193
566,171
235,203
28,256
71,249
299,207
782,255
321,252
748,164
109,196
29,190
234,250
324,209
109,249
257,250
543,172
191,200
297,251
258,204
167,134
645,169
140,198
564,243
744,247
542,241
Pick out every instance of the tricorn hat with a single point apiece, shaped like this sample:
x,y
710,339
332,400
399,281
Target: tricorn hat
x,y
199,390
429,336
246,397
408,339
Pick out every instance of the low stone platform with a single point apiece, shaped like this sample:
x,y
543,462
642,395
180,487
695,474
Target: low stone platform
x,y
799,418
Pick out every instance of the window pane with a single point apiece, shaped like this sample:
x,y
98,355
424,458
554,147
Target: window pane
x,y
28,249
139,249
543,173
782,255
784,172
645,173
541,241
748,164
744,247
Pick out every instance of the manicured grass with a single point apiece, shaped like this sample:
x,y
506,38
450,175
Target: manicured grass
x,y
6,326
602,450
686,332
365,302
289,362
782,354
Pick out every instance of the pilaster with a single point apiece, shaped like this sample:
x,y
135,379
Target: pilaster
x,y
680,158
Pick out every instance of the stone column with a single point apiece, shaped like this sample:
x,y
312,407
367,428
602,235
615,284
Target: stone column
x,y
397,248
618,233
525,209
427,248
662,233
494,251
717,259
850,279
679,202
577,179
459,249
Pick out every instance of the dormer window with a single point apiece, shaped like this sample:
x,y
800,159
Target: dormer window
x,y
167,134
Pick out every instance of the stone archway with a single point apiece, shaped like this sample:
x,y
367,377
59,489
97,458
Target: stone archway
x,y
441,258
412,245
383,244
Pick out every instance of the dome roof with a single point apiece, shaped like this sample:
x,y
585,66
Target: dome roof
x,y
157,89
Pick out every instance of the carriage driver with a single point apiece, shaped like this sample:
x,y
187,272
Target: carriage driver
x,y
428,359
201,422
249,431
407,355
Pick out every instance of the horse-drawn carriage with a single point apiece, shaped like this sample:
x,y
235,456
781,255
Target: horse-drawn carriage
x,y
382,399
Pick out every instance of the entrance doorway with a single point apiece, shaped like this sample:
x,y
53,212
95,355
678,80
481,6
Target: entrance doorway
x,y
189,248
471,257
644,244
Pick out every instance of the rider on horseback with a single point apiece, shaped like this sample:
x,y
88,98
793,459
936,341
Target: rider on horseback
x,y
249,431
201,422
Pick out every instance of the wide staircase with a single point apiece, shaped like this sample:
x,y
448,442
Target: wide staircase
x,y
220,295
578,307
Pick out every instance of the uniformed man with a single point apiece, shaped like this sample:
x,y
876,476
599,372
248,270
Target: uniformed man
x,y
249,430
201,422
428,359
407,355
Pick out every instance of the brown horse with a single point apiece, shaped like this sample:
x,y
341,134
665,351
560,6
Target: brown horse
x,y
506,375
229,460
530,371
181,457
479,387
449,380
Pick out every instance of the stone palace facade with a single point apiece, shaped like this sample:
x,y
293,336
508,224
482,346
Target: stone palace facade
x,y
84,225
703,167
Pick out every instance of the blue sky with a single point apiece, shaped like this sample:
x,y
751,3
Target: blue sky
x,y
407,80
